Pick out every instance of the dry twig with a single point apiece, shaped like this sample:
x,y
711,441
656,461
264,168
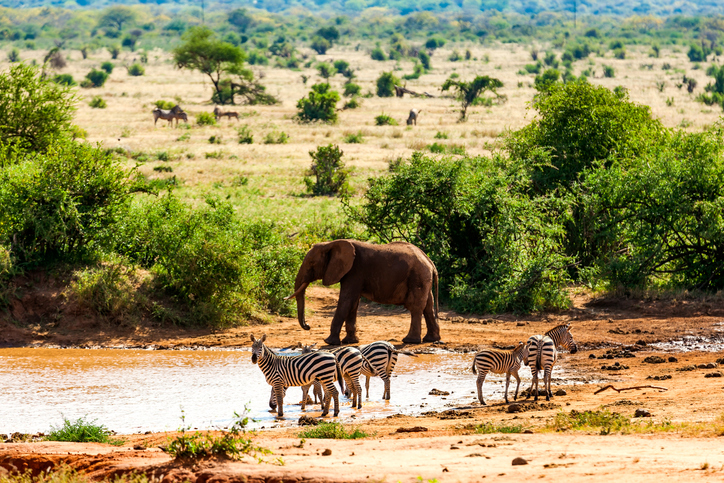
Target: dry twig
x,y
610,386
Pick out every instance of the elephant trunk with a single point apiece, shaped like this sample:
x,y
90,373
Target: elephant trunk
x,y
299,294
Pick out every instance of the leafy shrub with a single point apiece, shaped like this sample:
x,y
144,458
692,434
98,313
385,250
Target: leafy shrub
x,y
353,103
351,89
108,289
608,71
276,137
468,92
256,57
325,430
619,53
60,204
328,170
245,135
136,70
163,169
320,45
550,60
441,135
424,58
65,79
378,54
490,428
354,138
34,110
95,78
434,42
341,65
603,421
206,119
107,66
167,105
418,70
439,148
14,56
496,250
697,53
319,105
544,81
385,120
82,431
98,103
326,70
386,83
214,139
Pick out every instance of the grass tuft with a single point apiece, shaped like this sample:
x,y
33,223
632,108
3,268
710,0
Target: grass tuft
x,y
332,431
489,428
83,431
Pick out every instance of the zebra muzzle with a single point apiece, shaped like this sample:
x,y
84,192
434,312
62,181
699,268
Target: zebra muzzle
x,y
253,358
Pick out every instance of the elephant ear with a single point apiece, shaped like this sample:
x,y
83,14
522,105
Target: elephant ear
x,y
341,257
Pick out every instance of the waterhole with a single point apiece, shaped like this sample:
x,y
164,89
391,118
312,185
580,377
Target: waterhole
x,y
150,390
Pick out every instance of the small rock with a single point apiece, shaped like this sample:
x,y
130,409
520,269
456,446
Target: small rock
x,y
591,356
452,446
673,359
327,452
562,392
642,413
414,429
690,367
713,374
527,431
720,360
475,455
307,421
138,447
654,360
437,392
515,408
519,461
641,342
663,377
520,324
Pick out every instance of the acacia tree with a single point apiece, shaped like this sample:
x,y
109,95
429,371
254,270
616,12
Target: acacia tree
x,y
468,92
209,55
116,17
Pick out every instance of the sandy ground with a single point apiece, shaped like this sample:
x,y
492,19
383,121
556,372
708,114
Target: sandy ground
x,y
449,449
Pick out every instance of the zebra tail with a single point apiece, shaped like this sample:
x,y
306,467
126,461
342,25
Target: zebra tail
x,y
475,371
340,378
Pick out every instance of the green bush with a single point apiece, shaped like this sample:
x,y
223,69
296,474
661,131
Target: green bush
x,y
434,42
167,105
136,70
33,109
320,45
65,79
341,65
325,430
353,103
245,135
98,103
378,54
385,120
619,53
96,78
60,204
276,137
424,58
82,431
608,71
468,92
386,83
496,249
13,56
319,105
330,174
108,289
417,71
697,53
354,138
351,89
206,119
544,81
107,66
326,70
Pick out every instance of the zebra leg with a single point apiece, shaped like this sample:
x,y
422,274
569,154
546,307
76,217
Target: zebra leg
x,y
517,386
386,395
318,393
273,400
547,382
479,383
305,395
329,393
367,385
279,390
507,384
535,383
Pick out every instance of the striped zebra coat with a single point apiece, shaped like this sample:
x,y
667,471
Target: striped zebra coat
x,y
286,371
381,359
543,354
499,362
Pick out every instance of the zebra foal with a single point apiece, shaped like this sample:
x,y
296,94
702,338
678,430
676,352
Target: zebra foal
x,y
285,371
499,362
543,354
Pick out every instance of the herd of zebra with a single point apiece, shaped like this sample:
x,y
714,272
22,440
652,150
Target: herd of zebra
x,y
176,113
321,368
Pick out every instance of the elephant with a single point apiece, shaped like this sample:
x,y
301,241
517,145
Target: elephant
x,y
397,273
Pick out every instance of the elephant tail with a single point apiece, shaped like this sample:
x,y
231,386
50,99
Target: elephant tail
x,y
436,282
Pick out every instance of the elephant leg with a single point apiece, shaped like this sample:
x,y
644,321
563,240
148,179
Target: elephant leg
x,y
348,298
414,335
351,325
433,328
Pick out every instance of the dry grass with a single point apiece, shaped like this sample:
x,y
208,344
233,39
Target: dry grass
x,y
275,171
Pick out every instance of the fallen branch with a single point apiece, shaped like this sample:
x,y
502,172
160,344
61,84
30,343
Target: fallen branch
x,y
401,91
610,386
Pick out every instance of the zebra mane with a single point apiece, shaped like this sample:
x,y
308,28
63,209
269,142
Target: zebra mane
x,y
567,327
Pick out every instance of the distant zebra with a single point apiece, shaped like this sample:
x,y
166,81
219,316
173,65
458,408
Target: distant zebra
x,y
218,113
286,371
543,354
181,116
412,118
381,359
168,115
499,362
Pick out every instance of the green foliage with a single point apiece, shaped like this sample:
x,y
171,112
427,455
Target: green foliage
x,y
424,58
82,431
491,428
98,103
351,89
697,53
341,65
276,137
214,139
96,78
167,105
550,60
320,45
603,421
439,148
385,120
62,203
496,250
107,66
353,138
619,53
608,71
233,444
33,110
319,105
386,83
548,78
245,135
326,70
418,70
64,79
353,103
136,70
434,43
378,54
330,174
206,119
325,430
468,92
13,56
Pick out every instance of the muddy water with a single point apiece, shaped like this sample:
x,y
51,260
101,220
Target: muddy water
x,y
145,390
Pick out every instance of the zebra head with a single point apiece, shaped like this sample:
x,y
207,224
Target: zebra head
x,y
567,341
306,349
257,348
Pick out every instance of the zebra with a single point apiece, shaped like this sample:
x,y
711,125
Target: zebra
x,y
218,113
412,118
168,115
182,116
543,354
499,362
381,358
281,372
